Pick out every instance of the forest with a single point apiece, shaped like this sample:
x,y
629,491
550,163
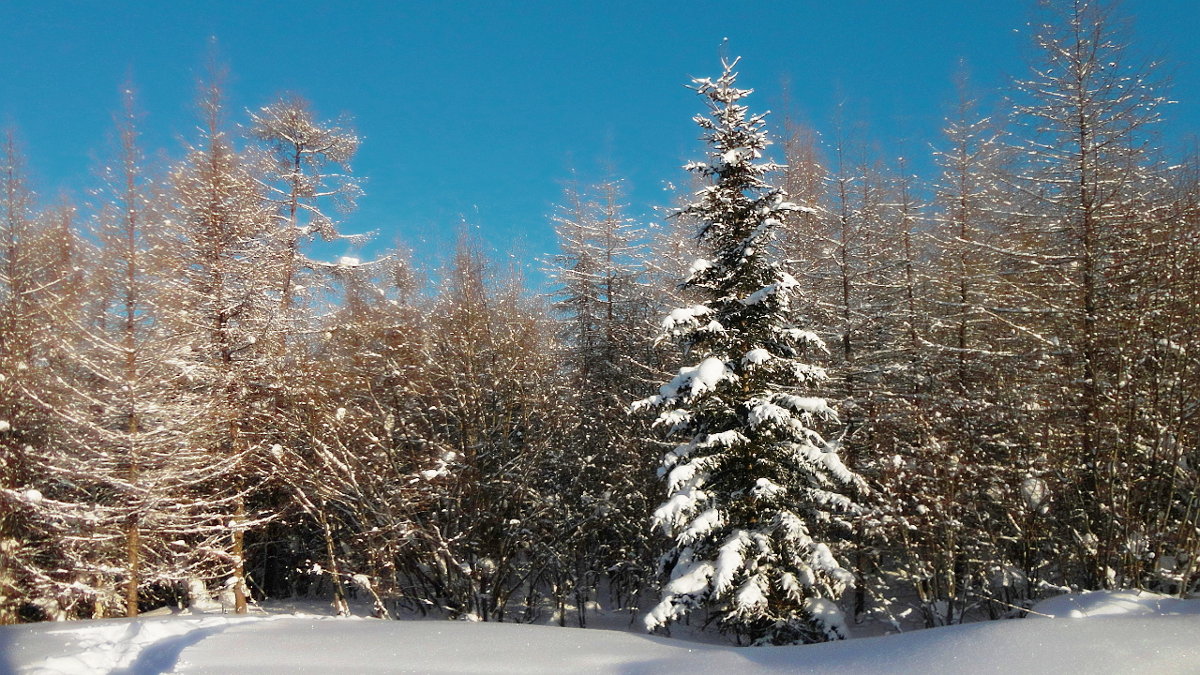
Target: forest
x,y
820,391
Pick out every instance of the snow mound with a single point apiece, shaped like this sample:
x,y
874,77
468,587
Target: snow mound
x,y
118,645
1141,633
1115,603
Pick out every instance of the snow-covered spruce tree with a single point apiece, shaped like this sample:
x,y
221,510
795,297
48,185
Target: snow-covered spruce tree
x,y
752,485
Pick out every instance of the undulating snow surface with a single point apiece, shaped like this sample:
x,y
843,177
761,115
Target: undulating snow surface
x,y
1105,633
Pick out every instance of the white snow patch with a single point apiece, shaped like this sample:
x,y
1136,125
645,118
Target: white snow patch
x,y
805,337
812,405
684,316
696,379
121,645
1035,492
738,155
805,372
756,356
701,525
199,599
729,561
681,502
674,418
765,411
765,488
750,597
829,616
727,439
785,284
693,580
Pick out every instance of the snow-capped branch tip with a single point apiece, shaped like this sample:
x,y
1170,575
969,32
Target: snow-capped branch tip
x,y
722,90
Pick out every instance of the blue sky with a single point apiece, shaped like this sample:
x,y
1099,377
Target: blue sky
x,y
477,110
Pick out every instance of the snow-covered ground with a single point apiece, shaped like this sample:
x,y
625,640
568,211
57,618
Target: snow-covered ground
x,y
1094,633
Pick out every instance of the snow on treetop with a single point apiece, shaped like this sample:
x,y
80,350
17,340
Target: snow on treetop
x,y
723,89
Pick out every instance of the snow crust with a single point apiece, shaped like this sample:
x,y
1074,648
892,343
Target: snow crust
x,y
1134,633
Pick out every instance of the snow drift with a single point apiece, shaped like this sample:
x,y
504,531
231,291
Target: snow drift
x,y
1097,633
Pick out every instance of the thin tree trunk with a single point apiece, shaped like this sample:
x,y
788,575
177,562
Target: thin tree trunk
x,y
340,606
239,554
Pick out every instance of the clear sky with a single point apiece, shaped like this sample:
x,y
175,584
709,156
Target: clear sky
x,y
476,110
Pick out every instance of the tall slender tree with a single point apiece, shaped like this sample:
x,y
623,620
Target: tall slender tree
x,y
48,535
119,344
604,303
1086,115
226,263
753,487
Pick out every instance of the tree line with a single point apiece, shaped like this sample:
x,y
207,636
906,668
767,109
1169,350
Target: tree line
x,y
194,406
